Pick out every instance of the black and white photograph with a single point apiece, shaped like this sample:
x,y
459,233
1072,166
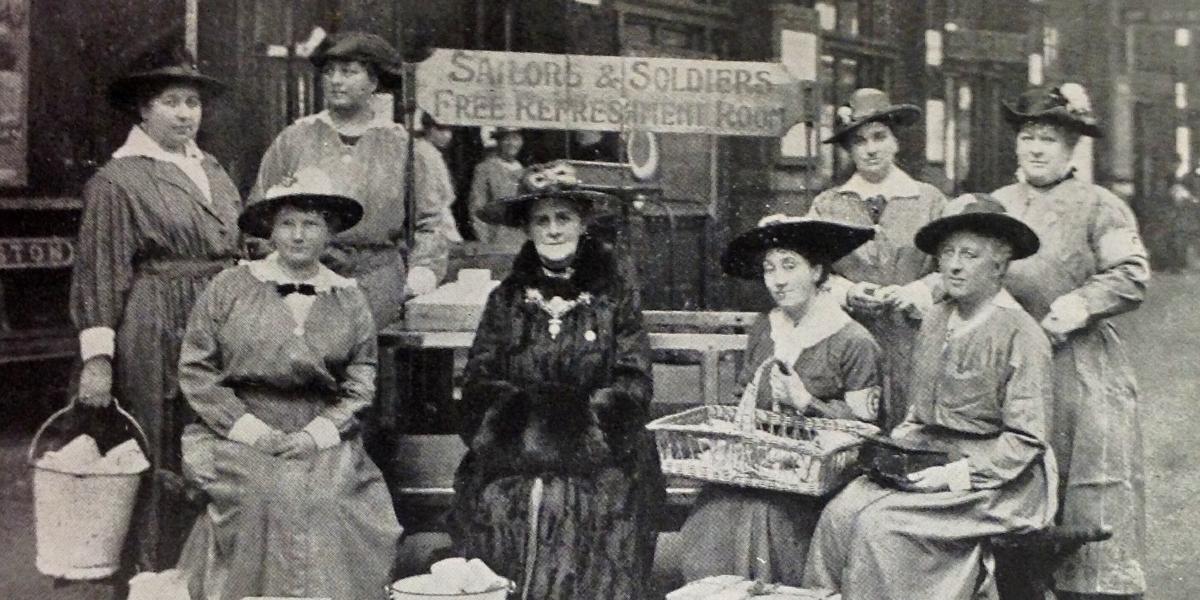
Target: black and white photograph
x,y
599,299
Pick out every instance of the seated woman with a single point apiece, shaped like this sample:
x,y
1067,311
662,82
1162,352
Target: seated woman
x,y
980,389
278,361
559,487
806,357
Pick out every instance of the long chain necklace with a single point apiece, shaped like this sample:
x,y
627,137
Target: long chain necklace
x,y
555,307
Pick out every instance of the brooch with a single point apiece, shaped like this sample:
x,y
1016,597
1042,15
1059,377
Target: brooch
x,y
555,307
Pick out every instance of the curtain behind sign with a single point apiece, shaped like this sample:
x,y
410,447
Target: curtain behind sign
x,y
14,77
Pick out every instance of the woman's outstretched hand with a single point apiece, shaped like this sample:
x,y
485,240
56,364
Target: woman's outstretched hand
x,y
95,382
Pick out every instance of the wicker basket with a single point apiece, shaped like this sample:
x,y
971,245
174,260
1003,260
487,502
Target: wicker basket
x,y
807,456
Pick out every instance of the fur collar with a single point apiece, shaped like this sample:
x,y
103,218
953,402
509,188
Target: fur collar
x,y
595,271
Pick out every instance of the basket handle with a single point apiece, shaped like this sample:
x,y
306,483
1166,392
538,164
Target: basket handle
x,y
70,405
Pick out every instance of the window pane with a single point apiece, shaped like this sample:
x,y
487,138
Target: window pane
x,y
848,17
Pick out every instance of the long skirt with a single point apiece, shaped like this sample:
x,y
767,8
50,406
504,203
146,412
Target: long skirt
x,y
876,543
753,533
560,537
316,527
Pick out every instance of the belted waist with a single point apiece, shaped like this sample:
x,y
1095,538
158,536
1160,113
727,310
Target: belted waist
x,y
183,267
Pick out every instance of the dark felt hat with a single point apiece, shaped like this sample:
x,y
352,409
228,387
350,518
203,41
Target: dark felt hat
x,y
979,213
163,61
821,240
1067,105
869,105
558,179
367,48
307,189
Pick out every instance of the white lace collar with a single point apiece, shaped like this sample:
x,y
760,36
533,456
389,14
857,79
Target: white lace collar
x,y
823,319
268,270
956,326
140,144
896,184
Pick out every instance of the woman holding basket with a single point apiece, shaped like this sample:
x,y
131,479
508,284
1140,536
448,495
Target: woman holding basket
x,y
806,357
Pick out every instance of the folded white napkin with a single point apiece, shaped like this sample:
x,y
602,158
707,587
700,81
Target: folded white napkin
x,y
82,456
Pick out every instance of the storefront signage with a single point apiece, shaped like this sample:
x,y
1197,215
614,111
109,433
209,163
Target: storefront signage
x,y
43,253
611,93
14,80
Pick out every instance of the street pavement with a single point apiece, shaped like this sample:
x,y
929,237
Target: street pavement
x,y
1164,341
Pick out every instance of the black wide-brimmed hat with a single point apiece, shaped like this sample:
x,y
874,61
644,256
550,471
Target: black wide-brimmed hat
x,y
820,240
1067,105
307,189
367,48
550,180
163,61
869,105
982,214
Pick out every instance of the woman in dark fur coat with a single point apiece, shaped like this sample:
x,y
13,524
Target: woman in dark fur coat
x,y
562,482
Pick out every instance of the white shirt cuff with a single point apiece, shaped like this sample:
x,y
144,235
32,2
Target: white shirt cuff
x,y
1070,309
96,341
958,475
248,429
323,432
864,403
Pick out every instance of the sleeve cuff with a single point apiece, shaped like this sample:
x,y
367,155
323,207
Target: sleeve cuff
x,y
958,475
1071,309
324,432
248,429
96,341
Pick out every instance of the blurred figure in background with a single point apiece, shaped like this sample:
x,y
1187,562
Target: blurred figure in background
x,y
433,185
498,176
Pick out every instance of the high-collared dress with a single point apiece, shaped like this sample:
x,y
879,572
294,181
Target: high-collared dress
x,y
1093,259
369,169
156,228
897,207
257,359
761,534
982,387
495,177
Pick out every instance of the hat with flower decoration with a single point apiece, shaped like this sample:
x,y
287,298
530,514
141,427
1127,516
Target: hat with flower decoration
x,y
308,189
869,105
1067,105
821,240
163,60
557,179
982,214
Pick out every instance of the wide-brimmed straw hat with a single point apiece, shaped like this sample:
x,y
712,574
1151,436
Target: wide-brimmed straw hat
x,y
550,180
308,189
1067,105
869,105
163,61
820,240
982,214
367,48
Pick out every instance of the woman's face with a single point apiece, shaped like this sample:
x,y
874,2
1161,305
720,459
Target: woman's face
x,y
873,148
510,145
172,117
300,236
555,227
1043,152
348,84
790,278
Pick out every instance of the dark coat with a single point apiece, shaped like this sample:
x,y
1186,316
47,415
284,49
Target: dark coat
x,y
569,409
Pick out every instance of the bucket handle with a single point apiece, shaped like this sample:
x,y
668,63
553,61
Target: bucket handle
x,y
70,405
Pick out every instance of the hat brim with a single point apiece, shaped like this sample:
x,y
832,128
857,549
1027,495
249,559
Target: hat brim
x,y
823,241
1058,115
510,210
901,115
1018,235
123,92
258,218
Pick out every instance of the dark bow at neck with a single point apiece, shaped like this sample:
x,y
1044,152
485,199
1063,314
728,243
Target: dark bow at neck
x,y
306,289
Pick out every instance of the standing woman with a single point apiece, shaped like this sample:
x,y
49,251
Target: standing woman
x,y
882,282
365,154
498,176
159,221
806,357
560,485
1092,266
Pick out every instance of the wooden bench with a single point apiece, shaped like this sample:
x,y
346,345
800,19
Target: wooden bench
x,y
1025,562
